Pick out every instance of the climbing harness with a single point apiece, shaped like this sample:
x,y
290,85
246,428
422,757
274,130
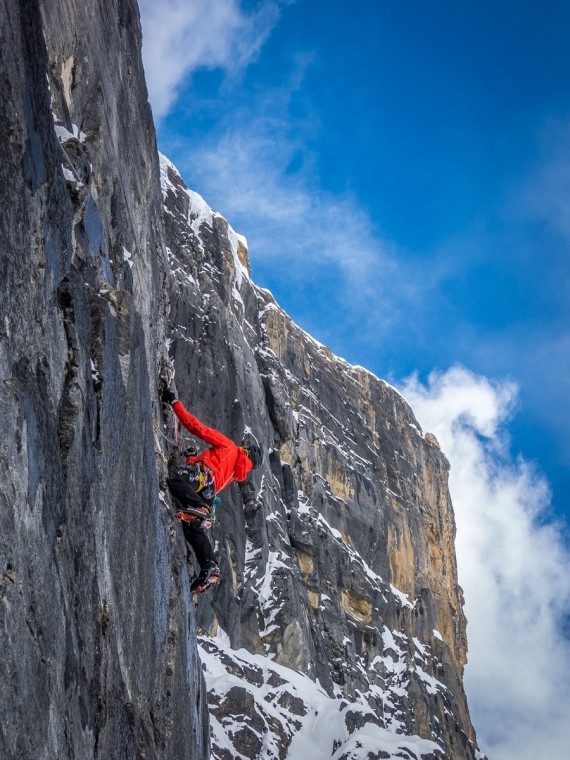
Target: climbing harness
x,y
205,515
202,477
191,514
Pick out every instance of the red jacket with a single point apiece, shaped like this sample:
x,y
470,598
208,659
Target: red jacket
x,y
227,461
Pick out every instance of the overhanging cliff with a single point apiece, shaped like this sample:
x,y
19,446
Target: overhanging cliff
x,y
339,578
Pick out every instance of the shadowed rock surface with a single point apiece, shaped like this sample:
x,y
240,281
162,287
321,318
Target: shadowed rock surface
x,y
339,578
97,630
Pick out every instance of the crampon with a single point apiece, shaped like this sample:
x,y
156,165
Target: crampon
x,y
207,577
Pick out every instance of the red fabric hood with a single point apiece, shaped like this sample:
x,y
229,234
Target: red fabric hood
x,y
243,465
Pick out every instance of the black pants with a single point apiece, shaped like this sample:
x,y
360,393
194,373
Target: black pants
x,y
183,492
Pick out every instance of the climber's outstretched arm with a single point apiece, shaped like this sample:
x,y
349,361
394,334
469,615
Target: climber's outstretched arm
x,y
191,423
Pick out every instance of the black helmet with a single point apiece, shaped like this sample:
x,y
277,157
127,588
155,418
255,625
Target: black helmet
x,y
255,453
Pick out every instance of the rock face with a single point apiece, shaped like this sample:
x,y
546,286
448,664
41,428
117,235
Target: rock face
x,y
338,559
97,629
337,630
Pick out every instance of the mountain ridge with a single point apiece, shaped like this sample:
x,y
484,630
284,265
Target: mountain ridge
x,y
258,340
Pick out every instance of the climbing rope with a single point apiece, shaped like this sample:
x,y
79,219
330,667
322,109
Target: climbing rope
x,y
69,161
177,440
156,429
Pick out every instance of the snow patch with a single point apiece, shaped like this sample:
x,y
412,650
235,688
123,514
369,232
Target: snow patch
x,y
316,729
63,134
127,256
200,213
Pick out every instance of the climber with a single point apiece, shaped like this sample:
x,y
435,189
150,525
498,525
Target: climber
x,y
195,485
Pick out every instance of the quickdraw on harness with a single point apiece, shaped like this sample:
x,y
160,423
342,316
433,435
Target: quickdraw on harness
x,y
191,514
202,479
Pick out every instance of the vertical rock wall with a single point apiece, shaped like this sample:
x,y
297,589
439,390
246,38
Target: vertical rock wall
x,y
96,624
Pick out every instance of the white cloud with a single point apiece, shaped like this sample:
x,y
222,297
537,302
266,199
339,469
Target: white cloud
x,y
248,172
513,567
180,36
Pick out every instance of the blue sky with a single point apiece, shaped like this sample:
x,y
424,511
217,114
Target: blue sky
x,y
401,171
440,133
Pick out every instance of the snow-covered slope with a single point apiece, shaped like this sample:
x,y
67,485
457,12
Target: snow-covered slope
x,y
261,709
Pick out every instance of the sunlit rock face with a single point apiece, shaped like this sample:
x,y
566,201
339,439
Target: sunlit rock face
x,y
338,557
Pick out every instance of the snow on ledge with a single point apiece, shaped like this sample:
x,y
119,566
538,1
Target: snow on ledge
x,y
199,213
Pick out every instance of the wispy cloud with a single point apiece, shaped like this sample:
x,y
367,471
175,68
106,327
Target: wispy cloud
x,y
545,193
259,170
248,171
540,355
180,37
512,565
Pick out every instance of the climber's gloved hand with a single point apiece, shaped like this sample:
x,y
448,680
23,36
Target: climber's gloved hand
x,y
168,397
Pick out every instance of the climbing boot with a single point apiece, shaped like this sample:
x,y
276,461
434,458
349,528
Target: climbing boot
x,y
207,577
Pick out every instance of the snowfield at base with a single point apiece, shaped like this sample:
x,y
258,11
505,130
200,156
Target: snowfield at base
x,y
320,734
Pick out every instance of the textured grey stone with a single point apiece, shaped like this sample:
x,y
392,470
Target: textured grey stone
x,y
97,626
352,499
